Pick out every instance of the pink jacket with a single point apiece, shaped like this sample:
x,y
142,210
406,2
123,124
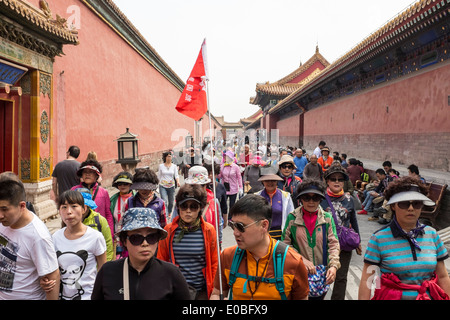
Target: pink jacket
x,y
102,201
232,175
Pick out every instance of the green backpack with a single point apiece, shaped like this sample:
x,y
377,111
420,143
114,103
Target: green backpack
x,y
279,256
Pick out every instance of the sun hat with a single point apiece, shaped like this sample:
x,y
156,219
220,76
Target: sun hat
x,y
287,159
144,185
412,194
124,177
230,154
325,149
137,218
270,177
92,167
198,175
311,189
335,168
87,198
257,160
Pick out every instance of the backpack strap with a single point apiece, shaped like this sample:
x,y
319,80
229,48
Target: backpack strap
x,y
237,258
97,222
279,256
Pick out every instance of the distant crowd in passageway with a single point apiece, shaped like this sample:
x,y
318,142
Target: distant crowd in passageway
x,y
293,217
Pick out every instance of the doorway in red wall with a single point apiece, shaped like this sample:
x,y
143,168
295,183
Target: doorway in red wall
x,y
6,135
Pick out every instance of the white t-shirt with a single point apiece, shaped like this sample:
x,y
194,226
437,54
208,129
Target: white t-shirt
x,y
77,262
26,254
167,176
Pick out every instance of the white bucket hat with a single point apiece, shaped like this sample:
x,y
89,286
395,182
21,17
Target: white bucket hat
x,y
198,175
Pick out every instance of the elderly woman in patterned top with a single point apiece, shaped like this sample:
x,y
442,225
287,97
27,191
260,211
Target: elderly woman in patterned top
x,y
409,256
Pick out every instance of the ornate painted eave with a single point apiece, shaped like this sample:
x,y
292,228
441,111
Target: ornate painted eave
x,y
108,11
414,19
39,21
284,87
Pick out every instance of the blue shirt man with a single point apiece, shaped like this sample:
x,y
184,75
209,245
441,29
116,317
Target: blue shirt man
x,y
300,162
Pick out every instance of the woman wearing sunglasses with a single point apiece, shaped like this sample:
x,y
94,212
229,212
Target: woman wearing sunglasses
x,y
345,214
407,255
140,276
311,231
290,180
191,243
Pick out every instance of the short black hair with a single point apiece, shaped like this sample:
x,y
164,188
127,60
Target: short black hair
x,y
165,154
254,206
145,175
413,168
74,151
70,197
387,164
12,191
322,143
380,171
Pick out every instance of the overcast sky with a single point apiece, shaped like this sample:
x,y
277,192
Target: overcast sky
x,y
253,41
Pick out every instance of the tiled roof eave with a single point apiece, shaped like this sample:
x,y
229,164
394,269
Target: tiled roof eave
x,y
37,21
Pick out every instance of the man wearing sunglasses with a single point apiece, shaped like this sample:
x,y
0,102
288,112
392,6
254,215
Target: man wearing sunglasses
x,y
250,220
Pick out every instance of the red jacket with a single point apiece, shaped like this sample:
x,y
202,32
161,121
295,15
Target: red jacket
x,y
391,289
165,250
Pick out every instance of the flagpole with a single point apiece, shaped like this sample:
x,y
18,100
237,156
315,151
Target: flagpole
x,y
216,211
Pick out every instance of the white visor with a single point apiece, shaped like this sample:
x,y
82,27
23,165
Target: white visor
x,y
411,196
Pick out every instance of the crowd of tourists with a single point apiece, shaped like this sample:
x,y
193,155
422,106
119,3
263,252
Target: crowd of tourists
x,y
293,217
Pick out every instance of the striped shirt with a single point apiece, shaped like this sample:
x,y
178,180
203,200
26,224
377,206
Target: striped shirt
x,y
190,256
393,253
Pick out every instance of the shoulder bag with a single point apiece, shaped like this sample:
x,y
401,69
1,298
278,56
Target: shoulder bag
x,y
348,238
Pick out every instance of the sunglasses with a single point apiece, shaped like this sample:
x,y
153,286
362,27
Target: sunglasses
x,y
193,206
286,166
307,197
337,179
405,204
138,239
240,226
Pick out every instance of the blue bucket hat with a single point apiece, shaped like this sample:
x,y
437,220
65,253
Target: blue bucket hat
x,y
87,198
137,218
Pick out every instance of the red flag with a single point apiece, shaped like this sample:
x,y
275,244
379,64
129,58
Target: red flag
x,y
193,101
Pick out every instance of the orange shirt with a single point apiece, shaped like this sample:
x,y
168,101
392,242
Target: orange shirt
x,y
295,276
323,162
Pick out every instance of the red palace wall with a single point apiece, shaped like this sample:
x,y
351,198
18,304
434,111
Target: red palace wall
x,y
103,86
406,121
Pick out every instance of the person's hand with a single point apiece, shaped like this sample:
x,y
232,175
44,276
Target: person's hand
x,y
331,275
309,266
359,250
46,284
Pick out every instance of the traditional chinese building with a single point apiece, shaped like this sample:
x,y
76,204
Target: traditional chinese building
x,y
290,122
388,98
77,72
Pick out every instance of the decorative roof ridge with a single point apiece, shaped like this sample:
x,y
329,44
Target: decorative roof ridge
x,y
42,20
285,80
305,66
